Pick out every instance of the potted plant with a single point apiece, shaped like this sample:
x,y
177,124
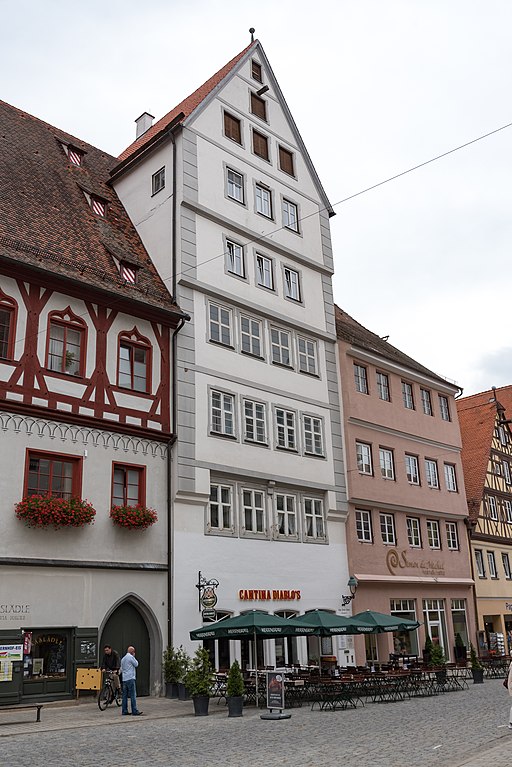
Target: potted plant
x,y
438,662
461,653
172,671
137,517
477,670
427,650
46,511
235,689
183,661
199,681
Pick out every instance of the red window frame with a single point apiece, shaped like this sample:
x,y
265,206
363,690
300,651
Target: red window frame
x,y
141,484
9,306
69,321
54,459
134,342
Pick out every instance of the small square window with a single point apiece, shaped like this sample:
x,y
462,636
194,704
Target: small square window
x,y
258,107
256,71
98,206
232,128
158,181
286,161
260,144
75,156
128,273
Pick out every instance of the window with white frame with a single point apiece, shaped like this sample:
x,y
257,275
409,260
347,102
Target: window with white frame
x,y
364,526
426,401
286,429
413,532
412,469
314,523
364,458
506,565
452,536
383,386
502,435
444,408
360,378
235,186
431,473
291,284
222,413
450,477
313,436
255,422
507,508
235,258
263,197
506,472
491,561
253,511
286,515
479,561
280,347
493,508
264,272
433,537
250,336
158,181
387,467
290,215
220,508
387,528
307,355
220,324
407,395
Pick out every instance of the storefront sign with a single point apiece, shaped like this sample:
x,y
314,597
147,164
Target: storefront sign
x,y
11,652
275,690
14,612
401,560
282,595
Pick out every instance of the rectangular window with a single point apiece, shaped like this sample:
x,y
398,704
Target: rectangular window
x,y
432,473
133,370
307,355
256,72
444,408
220,324
286,161
235,185
407,395
387,528
479,561
235,257
433,537
260,144
280,347
492,564
222,413
264,272
250,335
502,435
258,107
413,532
232,128
253,512
313,436
52,475
412,469
314,518
220,508
360,378
364,526
383,386
285,429
98,206
507,507
263,200
290,215
286,513
64,348
493,508
506,565
291,284
450,477
506,472
364,458
158,181
6,323
426,401
255,422
452,536
387,467
127,485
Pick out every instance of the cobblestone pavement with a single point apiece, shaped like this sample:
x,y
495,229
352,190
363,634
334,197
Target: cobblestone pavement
x,y
458,729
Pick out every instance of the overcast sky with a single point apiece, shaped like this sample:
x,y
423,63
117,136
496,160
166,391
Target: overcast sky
x,y
375,87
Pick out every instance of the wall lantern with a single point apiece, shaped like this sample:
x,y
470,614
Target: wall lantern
x,y
352,584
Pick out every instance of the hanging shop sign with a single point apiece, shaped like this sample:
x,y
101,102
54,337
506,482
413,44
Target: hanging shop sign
x,y
401,560
280,595
207,594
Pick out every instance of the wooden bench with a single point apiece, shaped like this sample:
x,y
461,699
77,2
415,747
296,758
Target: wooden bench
x,y
24,706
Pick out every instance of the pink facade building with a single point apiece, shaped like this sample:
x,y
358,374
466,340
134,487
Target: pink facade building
x,y
406,533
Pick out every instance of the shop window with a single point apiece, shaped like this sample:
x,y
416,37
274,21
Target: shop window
x,y
66,343
128,485
134,362
45,655
52,474
404,642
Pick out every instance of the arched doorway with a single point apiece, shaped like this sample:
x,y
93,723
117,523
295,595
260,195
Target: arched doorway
x,y
125,627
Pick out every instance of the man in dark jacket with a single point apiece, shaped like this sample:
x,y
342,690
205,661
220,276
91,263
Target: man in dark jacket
x,y
111,662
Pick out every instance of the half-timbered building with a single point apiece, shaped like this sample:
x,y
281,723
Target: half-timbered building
x,y
487,459
86,413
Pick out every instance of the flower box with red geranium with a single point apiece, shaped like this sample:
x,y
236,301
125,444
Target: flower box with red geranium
x,y
46,511
133,517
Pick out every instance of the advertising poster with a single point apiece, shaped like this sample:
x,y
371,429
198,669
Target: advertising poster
x,y
275,690
11,652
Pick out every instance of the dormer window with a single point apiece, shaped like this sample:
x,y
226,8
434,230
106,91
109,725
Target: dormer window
x,y
75,156
98,206
256,72
128,273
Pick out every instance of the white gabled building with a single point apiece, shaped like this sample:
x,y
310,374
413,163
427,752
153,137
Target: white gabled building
x,y
229,206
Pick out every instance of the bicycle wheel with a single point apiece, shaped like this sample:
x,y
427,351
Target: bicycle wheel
x,y
104,697
118,696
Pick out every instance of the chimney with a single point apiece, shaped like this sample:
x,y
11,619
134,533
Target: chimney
x,y
144,123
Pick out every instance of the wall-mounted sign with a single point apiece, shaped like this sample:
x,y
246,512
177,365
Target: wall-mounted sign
x,y
209,614
254,595
397,561
11,652
207,594
14,612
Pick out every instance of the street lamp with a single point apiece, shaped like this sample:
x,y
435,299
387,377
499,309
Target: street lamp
x,y
352,584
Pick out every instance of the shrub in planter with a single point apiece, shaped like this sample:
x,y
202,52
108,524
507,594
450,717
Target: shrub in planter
x,y
477,670
176,663
46,511
461,653
235,690
427,651
133,517
199,681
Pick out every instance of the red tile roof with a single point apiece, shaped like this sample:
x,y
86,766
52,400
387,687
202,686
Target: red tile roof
x,y
186,107
46,221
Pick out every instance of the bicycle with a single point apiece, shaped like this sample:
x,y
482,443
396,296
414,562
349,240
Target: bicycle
x,y
109,692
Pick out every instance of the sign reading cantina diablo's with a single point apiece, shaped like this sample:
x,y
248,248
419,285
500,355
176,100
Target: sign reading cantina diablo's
x,y
254,595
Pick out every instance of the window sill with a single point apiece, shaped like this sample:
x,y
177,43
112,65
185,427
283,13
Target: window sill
x,y
223,436
134,392
314,455
65,376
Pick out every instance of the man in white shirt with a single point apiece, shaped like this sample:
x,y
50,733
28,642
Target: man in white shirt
x,y
129,665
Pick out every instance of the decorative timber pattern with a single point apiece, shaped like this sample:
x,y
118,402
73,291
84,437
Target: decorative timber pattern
x,y
495,514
